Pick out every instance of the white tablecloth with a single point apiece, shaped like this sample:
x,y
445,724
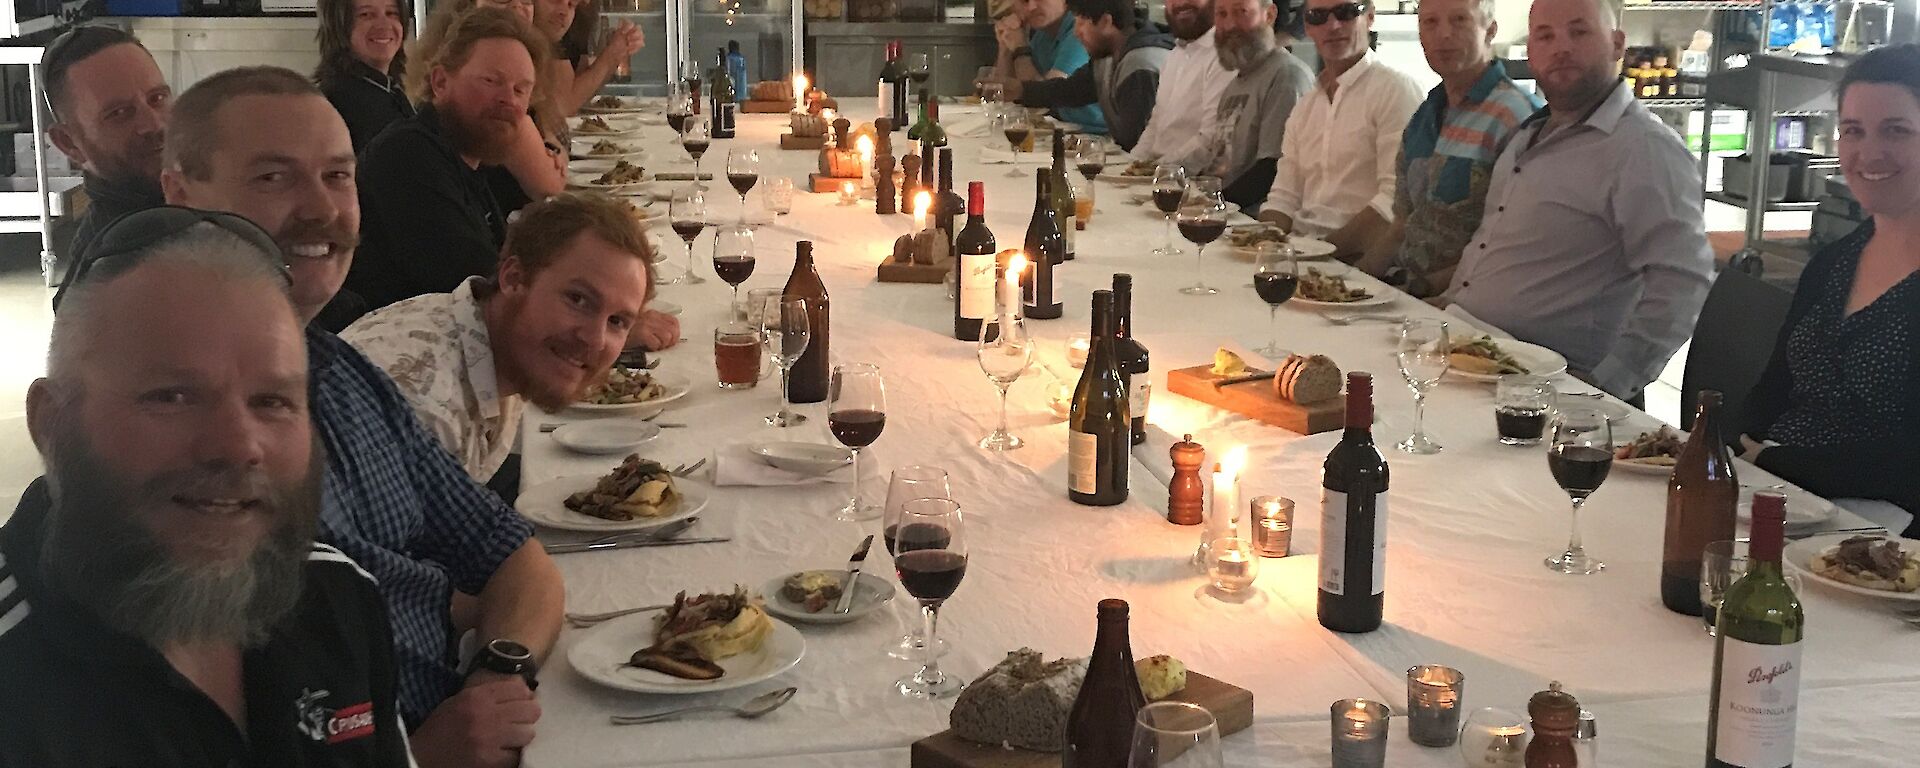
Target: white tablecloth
x,y
1468,530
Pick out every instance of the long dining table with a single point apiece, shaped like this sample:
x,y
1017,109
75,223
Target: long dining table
x,y
1468,527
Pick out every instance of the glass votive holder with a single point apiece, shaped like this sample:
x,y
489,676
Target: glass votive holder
x,y
1359,733
1272,526
1522,404
1078,346
849,193
1232,564
779,195
1586,739
1494,738
1433,704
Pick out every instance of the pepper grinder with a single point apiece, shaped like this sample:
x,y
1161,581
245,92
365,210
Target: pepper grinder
x,y
1556,716
1184,494
909,174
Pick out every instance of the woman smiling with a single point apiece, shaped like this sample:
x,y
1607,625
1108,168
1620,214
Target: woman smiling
x,y
362,64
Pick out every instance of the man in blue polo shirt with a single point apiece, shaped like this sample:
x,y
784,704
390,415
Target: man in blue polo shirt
x,y
1037,43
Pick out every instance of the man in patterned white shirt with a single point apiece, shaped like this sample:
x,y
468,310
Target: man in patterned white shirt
x,y
573,280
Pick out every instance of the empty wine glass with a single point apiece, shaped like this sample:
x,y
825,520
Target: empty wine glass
x,y
1422,353
687,214
907,484
733,258
1169,188
1017,130
1275,279
1175,734
856,414
1202,219
743,170
931,560
1005,351
1580,458
785,331
919,68
695,139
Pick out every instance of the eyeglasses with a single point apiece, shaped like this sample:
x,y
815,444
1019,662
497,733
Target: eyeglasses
x,y
1343,12
134,233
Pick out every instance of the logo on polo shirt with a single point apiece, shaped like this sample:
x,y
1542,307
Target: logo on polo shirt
x,y
332,726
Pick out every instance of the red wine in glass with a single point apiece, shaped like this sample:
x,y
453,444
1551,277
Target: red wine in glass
x,y
1091,170
1018,137
1520,423
1202,231
688,230
734,269
930,574
696,148
916,536
1579,469
856,427
742,182
1168,200
1275,287
678,121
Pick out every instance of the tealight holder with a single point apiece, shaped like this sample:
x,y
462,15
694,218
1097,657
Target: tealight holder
x,y
1360,733
1272,526
1232,565
1078,345
1433,704
849,193
1494,738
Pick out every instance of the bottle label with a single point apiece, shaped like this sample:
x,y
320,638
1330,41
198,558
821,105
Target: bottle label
x,y
886,98
1333,542
1759,702
976,285
1139,388
1083,459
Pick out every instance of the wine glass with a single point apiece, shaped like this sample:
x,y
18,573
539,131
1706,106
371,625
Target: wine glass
x,y
784,330
733,257
743,170
1169,188
1005,351
1016,128
679,108
1580,457
1276,279
687,213
1175,734
856,413
1422,354
908,484
695,139
1202,219
919,68
1089,154
930,558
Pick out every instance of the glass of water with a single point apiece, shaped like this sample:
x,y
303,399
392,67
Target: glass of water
x,y
1422,354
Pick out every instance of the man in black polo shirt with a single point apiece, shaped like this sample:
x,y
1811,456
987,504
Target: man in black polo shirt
x,y
428,221
162,602
109,104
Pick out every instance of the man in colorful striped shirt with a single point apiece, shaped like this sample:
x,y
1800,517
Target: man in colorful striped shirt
x,y
1448,149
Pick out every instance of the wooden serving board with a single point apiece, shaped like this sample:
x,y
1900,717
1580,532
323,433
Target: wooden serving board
x,y
894,272
1231,705
790,141
1257,400
825,184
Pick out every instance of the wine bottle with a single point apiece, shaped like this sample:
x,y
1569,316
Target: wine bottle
x,y
974,267
1353,520
891,75
1100,725
897,107
1097,426
1701,496
933,136
807,383
721,99
1062,194
1044,246
1133,356
946,204
920,125
1756,657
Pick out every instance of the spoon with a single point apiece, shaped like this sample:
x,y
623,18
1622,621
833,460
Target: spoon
x,y
755,707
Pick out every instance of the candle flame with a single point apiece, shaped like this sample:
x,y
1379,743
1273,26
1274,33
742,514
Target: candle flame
x,y
827,115
846,187
800,84
1235,461
1014,267
922,202
865,143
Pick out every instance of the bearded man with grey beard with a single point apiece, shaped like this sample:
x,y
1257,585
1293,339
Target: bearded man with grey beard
x,y
162,602
1242,145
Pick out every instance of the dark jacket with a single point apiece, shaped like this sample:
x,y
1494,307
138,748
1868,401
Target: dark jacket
x,y
427,219
368,100
109,199
1124,86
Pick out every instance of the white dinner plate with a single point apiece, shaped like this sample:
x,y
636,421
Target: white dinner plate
x,y
1304,249
590,181
1641,466
581,151
1799,553
1376,300
545,505
595,166
602,653
676,387
1124,180
627,105
809,459
1803,510
1539,361
622,129
872,593
604,436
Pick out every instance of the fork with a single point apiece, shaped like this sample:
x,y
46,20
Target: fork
x,y
1351,319
667,531
687,469
582,620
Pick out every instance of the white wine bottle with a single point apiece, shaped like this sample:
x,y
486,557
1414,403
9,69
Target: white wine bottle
x,y
1099,429
1756,658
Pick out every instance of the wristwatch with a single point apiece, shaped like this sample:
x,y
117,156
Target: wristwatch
x,y
508,658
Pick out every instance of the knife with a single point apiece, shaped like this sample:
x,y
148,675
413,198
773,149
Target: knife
x,y
853,575
1242,378
566,549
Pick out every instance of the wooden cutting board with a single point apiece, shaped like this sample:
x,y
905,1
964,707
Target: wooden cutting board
x,y
1257,400
1231,705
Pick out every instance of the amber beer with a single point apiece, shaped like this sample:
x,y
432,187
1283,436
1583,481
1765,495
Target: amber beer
x,y
1082,211
736,356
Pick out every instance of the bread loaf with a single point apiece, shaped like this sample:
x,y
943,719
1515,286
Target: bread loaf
x,y
807,126
1021,702
771,90
1306,380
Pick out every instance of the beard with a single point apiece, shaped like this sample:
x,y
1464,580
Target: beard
x,y
1589,87
486,136
1191,26
551,397
113,566
1240,49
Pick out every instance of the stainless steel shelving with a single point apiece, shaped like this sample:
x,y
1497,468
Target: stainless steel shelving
x,y
1701,5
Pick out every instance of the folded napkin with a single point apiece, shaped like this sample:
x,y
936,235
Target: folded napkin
x,y
737,465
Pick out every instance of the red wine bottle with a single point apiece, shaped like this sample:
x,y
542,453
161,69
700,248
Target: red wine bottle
x,y
973,267
1353,520
1100,725
1133,356
807,383
1097,425
1045,248
1702,493
892,84
946,204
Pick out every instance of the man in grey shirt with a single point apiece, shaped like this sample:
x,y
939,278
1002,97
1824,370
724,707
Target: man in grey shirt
x,y
1592,243
1252,114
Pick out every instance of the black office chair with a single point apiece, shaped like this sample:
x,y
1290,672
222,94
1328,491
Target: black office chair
x,y
1732,342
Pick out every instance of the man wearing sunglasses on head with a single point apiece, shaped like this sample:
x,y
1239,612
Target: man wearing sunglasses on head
x,y
449,555
109,106
1336,174
1592,243
1241,144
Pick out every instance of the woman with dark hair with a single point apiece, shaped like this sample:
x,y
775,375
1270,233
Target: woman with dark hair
x,y
1838,410
362,64
576,75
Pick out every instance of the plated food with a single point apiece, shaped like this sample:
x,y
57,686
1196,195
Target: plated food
x,y
606,148
1329,289
813,591
595,125
726,632
637,489
1659,448
1484,356
1139,168
621,173
610,103
1870,562
1252,235
625,386
694,634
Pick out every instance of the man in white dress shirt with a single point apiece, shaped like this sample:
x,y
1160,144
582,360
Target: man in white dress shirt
x,y
1337,162
1190,84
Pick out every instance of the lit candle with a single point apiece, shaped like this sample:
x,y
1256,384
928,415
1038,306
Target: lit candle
x,y
849,193
1359,733
1078,346
1272,526
922,203
1226,494
799,92
865,145
826,115
1010,287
